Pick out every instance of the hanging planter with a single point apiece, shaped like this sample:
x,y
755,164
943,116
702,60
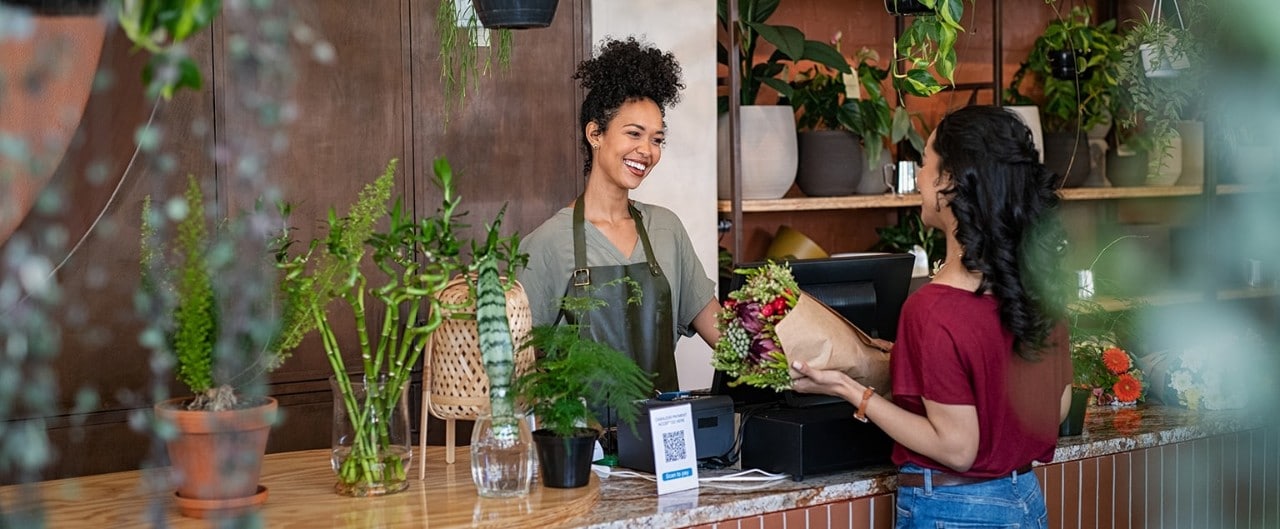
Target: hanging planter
x,y
907,7
1064,64
515,14
58,7
1162,53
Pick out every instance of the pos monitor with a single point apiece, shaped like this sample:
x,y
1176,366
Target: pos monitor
x,y
868,290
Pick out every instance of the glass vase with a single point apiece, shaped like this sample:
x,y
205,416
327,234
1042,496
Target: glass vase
x,y
371,444
501,457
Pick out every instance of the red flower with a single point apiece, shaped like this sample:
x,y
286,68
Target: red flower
x,y
1116,360
1127,388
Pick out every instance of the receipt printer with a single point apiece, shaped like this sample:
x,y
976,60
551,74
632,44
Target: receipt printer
x,y
712,430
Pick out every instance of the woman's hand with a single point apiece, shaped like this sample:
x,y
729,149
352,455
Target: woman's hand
x,y
823,381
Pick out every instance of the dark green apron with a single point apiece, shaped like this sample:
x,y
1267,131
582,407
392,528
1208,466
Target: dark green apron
x,y
643,331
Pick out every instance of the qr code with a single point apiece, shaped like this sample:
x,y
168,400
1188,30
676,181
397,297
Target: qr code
x,y
673,445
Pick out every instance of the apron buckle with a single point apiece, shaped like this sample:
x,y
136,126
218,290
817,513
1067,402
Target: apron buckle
x,y
655,269
581,277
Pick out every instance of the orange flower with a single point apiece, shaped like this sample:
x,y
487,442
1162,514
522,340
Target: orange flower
x,y
1116,360
1127,388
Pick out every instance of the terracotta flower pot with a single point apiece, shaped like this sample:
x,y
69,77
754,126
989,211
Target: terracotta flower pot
x,y
217,456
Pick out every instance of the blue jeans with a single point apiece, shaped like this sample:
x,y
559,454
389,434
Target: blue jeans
x,y
1014,502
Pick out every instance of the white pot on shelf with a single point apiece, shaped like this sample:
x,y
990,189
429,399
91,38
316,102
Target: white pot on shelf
x,y
767,134
1165,171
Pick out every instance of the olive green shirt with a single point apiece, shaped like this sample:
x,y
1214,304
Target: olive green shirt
x,y
550,249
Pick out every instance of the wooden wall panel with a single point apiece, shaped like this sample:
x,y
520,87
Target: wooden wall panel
x,y
378,99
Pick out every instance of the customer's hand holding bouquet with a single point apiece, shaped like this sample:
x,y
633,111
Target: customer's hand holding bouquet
x,y
770,322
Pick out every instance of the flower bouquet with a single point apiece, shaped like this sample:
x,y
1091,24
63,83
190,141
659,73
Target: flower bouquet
x,y
769,322
1109,371
1223,375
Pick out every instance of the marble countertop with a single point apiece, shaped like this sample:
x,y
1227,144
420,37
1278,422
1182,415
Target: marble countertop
x,y
632,502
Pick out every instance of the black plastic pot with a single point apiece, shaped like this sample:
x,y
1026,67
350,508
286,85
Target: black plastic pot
x,y
1062,65
1074,423
906,7
515,14
565,462
59,7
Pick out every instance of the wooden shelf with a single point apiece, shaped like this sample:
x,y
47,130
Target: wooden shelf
x,y
1240,189
913,199
1178,297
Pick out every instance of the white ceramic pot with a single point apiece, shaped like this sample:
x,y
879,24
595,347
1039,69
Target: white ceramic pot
x,y
1030,116
1192,133
769,156
1164,171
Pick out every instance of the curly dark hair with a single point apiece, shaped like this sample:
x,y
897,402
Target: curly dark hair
x,y
623,71
1006,207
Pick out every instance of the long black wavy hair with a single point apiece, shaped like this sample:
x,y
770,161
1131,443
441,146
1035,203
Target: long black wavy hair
x,y
623,71
1006,209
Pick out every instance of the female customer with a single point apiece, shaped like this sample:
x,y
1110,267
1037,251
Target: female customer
x,y
587,248
981,369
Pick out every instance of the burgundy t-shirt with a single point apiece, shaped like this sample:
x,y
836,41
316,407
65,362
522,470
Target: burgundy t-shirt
x,y
952,349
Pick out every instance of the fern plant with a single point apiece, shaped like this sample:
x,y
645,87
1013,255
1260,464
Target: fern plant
x,y
574,373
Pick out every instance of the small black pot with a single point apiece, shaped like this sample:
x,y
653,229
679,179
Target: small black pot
x,y
59,7
1074,423
906,7
1062,64
565,462
515,14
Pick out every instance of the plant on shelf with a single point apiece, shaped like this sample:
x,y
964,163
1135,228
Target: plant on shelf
x,y
1160,71
789,42
461,62
1074,62
927,43
825,100
217,437
572,375
160,27
412,262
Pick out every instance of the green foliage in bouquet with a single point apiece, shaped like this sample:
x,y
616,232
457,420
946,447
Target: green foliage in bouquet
x,y
573,373
748,348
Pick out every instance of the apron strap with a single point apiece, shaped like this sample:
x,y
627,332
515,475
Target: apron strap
x,y
582,274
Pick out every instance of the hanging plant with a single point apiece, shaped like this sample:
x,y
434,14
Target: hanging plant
x,y
929,42
461,61
160,27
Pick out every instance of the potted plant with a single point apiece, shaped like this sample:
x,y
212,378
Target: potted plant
x,y
412,262
911,233
516,14
843,121
1154,104
1074,63
572,376
768,132
218,435
928,42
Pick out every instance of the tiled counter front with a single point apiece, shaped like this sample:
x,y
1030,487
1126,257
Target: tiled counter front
x,y
1145,467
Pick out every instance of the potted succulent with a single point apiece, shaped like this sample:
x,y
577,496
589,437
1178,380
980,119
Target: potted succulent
x,y
843,120
572,376
412,263
1074,63
768,132
216,438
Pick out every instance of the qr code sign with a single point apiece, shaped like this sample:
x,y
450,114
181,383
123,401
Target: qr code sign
x,y
673,445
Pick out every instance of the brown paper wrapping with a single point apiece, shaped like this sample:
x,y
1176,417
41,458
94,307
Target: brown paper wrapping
x,y
819,336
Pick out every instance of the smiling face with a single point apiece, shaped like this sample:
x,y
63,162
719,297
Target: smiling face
x,y
630,145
